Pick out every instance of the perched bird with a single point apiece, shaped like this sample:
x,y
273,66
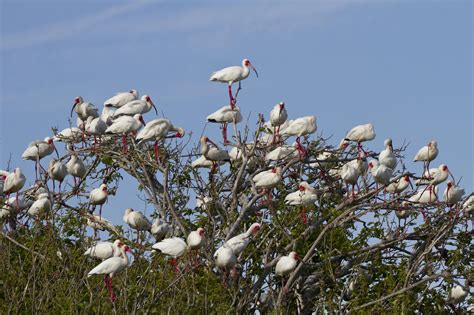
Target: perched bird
x,y
268,179
121,98
96,126
428,195
283,152
286,264
160,228
278,117
441,175
380,172
111,267
57,171
141,106
300,127
84,109
124,125
13,183
213,154
427,154
305,195
104,250
75,166
350,175
457,295
386,156
156,130
41,206
225,115
361,133
468,206
137,221
98,196
233,74
195,239
453,194
202,162
400,185
96,222
71,135
239,242
37,150
226,259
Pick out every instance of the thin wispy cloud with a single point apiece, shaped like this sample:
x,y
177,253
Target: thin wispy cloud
x,y
66,28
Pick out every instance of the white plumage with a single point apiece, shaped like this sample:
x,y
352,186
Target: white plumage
x,y
427,153
38,149
380,172
427,195
386,156
268,179
14,181
136,220
57,170
174,247
98,222
453,194
361,133
283,152
300,127
103,250
158,129
160,228
225,115
126,124
121,98
239,242
84,109
233,74
305,195
278,115
72,135
286,264
75,166
141,106
213,153
98,196
400,185
195,239
41,206
226,258
112,265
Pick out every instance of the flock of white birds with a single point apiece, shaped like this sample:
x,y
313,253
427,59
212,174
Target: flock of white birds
x,y
122,115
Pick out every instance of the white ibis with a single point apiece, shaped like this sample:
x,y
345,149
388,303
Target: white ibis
x,y
350,175
457,295
71,135
13,183
203,201
361,133
424,196
468,205
278,117
300,127
160,228
427,176
121,98
97,222
3,176
37,150
57,171
137,221
267,180
95,127
386,156
141,106
41,206
283,152
304,196
23,203
239,242
399,186
380,172
453,193
202,162
75,166
427,154
441,175
225,260
195,240
214,154
84,109
104,250
156,130
98,196
111,267
177,247
225,115
124,125
286,264
233,74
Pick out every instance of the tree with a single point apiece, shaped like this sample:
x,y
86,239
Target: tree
x,y
361,249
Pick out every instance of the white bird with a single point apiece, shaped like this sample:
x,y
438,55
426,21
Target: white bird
x,y
84,109
23,203
468,206
160,228
386,156
361,133
13,183
75,166
202,162
141,106
380,172
226,259
124,125
400,185
278,117
233,74
96,222
300,127
156,130
424,196
121,98
427,176
104,250
111,267
71,135
195,239
239,242
57,171
453,193
137,221
41,206
95,126
441,175
3,176
350,175
225,115
305,195
174,247
457,295
98,196
286,264
214,154
37,150
283,152
268,179
427,154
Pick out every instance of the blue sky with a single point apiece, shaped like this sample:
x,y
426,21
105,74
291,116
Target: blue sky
x,y
406,66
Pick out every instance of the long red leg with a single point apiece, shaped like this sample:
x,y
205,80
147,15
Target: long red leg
x,y
232,103
112,294
224,132
304,216
124,143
